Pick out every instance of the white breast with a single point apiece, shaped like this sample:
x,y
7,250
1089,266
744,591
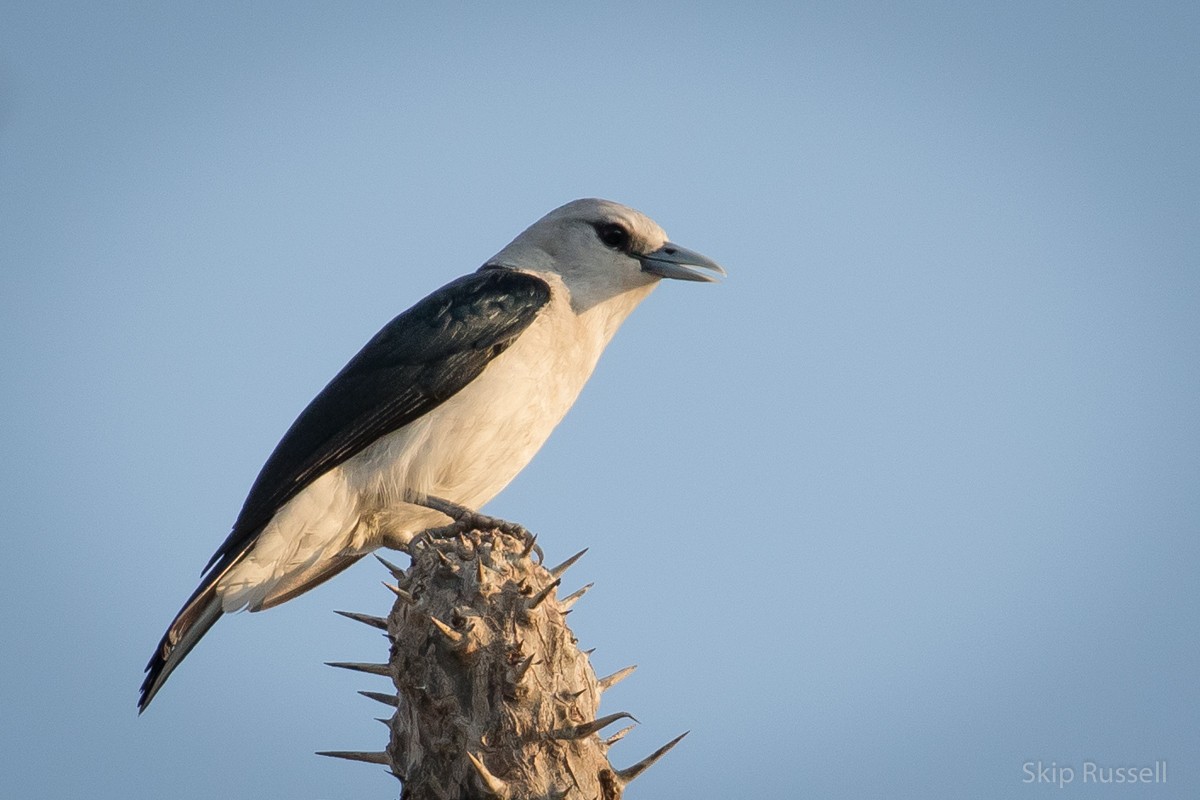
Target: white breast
x,y
466,450
470,447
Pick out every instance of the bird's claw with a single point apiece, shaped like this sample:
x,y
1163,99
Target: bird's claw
x,y
466,519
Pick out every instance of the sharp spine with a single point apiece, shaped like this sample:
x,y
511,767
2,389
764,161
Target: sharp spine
x,y
370,669
382,697
358,755
610,681
494,786
566,565
588,728
453,636
629,773
618,736
537,599
397,573
521,669
366,619
570,599
529,545
396,590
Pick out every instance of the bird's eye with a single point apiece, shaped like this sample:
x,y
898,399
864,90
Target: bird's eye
x,y
613,235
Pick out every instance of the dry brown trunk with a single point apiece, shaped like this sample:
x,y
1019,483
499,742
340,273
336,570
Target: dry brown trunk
x,y
493,698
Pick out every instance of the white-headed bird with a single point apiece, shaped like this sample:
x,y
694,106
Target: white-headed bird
x,y
449,401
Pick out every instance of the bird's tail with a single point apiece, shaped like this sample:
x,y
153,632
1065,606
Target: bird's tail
x,y
205,607
198,614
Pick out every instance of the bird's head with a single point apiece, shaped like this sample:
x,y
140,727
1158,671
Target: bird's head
x,y
603,249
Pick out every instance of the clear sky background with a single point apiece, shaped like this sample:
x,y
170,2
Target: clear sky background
x,y
908,501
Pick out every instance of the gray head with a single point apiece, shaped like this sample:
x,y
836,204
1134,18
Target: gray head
x,y
601,249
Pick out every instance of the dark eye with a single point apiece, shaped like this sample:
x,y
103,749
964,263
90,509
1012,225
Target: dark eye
x,y
613,235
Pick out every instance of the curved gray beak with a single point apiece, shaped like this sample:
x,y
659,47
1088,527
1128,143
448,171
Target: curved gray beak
x,y
673,261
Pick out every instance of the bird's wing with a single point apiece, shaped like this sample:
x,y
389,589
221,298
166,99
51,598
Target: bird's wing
x,y
416,362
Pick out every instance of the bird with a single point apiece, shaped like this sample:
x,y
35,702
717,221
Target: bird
x,y
446,403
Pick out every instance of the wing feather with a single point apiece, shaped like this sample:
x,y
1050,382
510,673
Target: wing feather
x,y
416,362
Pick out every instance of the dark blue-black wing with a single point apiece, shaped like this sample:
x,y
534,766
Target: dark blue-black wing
x,y
419,359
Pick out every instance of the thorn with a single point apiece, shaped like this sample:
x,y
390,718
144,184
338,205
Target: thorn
x,y
366,619
530,543
537,599
358,755
494,786
396,590
386,721
520,669
589,651
588,728
616,677
381,697
566,565
445,559
629,773
618,736
571,697
570,599
370,669
480,576
397,573
454,637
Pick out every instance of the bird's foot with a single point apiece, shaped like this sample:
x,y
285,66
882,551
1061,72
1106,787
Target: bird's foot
x,y
466,519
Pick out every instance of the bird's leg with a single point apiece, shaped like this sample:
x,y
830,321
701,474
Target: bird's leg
x,y
466,519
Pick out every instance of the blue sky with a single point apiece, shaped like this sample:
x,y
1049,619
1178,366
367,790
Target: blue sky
x,y
907,502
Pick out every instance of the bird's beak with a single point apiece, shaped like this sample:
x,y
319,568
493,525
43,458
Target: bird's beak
x,y
673,261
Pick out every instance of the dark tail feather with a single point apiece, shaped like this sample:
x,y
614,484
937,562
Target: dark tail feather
x,y
198,614
203,609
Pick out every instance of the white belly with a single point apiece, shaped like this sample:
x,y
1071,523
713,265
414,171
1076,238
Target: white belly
x,y
471,446
466,450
